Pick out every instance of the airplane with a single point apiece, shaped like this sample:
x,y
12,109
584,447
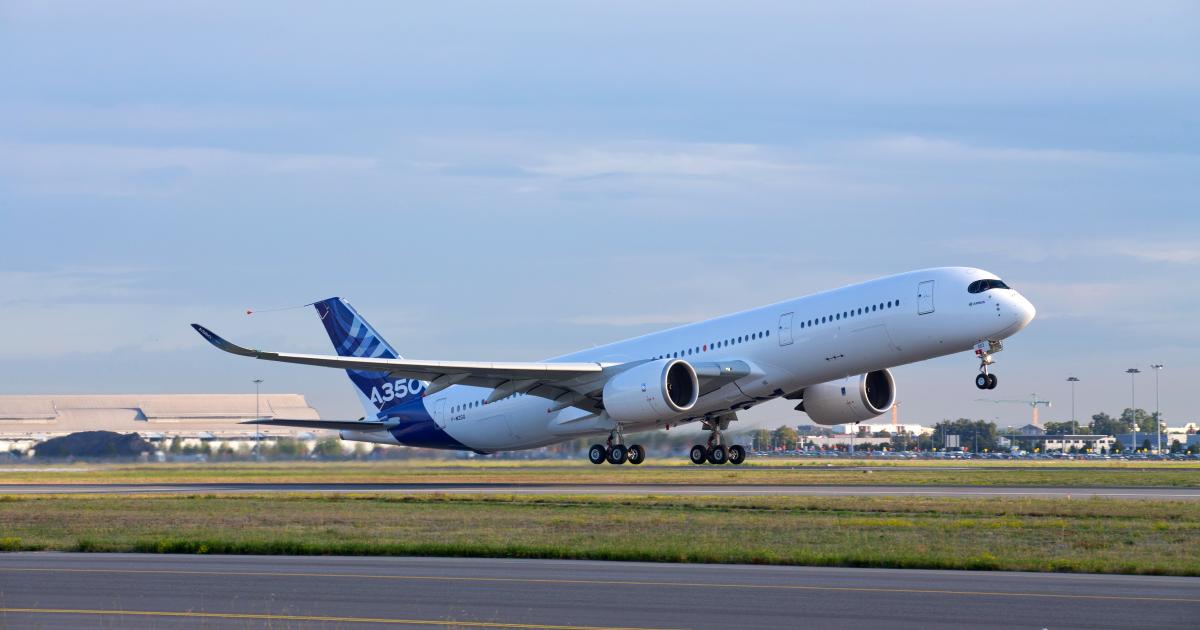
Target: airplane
x,y
831,351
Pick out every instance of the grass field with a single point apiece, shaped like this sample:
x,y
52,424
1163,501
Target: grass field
x,y
1151,537
772,471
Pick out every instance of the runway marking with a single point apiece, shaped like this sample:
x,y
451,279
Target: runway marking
x,y
446,578
324,618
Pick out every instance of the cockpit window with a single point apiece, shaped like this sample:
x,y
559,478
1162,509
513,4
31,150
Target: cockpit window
x,y
979,286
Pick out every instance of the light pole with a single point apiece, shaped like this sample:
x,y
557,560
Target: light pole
x,y
257,416
1074,425
1157,418
1132,372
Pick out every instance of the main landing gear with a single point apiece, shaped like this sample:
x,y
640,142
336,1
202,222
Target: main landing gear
x,y
618,453
984,350
716,453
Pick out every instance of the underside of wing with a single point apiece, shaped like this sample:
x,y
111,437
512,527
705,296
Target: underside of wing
x,y
330,425
547,380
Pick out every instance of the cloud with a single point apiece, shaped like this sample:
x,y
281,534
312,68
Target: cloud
x,y
934,148
668,160
116,169
638,319
1162,252
77,285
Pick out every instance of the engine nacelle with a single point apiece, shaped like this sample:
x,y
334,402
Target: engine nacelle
x,y
650,391
852,399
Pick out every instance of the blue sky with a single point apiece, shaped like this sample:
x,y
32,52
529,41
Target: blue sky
x,y
510,181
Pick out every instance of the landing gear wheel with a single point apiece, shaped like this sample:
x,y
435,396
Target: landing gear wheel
x,y
982,381
597,454
991,381
717,455
617,454
699,454
637,454
737,454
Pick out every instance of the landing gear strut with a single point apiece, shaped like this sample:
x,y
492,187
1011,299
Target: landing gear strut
x,y
615,452
984,350
714,452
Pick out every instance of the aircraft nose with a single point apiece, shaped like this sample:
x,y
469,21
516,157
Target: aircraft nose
x,y
1024,309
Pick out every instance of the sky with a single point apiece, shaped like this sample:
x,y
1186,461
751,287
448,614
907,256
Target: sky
x,y
513,181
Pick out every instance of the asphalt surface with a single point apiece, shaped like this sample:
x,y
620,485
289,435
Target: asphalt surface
x,y
50,590
607,489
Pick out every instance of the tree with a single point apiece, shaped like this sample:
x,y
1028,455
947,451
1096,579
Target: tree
x,y
1059,428
761,439
1176,446
972,434
1147,422
1104,424
329,448
785,437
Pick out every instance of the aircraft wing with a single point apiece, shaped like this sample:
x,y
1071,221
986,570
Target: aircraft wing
x,y
547,380
330,425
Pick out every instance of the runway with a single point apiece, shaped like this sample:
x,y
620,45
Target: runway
x,y
1166,493
49,590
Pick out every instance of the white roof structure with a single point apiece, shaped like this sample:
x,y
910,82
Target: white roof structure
x,y
187,415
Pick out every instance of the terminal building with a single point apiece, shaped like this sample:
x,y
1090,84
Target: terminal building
x,y
196,419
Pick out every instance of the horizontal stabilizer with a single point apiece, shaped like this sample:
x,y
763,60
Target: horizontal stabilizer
x,y
331,425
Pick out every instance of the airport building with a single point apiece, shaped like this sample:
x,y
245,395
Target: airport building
x,y
197,419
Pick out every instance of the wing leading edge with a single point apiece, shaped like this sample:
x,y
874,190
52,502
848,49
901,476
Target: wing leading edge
x,y
509,377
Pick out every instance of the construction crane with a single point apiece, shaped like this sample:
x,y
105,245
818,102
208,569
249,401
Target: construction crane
x,y
1033,403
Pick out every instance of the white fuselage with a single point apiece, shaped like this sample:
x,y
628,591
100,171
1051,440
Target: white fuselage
x,y
790,345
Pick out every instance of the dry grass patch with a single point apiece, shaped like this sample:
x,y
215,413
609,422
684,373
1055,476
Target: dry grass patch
x,y
1012,534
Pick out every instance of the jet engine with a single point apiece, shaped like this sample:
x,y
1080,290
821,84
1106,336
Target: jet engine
x,y
852,399
652,390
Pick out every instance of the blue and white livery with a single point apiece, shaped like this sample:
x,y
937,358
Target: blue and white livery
x,y
829,351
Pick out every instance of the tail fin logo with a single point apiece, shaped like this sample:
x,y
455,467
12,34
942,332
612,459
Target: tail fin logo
x,y
352,336
391,391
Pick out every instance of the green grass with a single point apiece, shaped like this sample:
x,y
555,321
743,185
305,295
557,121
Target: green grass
x,y
766,471
1093,535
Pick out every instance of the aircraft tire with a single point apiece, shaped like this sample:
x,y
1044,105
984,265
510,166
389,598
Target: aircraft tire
x,y
717,455
618,454
637,454
698,455
597,454
737,454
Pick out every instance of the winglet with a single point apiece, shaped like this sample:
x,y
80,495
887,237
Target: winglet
x,y
222,344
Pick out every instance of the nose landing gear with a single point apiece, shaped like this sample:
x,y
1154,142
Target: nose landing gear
x,y
984,350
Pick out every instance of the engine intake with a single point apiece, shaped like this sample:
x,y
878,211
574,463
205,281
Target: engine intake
x,y
852,399
651,391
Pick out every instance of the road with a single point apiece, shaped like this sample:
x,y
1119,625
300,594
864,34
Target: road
x,y
609,489
50,590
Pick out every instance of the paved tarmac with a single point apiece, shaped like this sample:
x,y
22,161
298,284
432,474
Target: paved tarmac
x,y
608,489
52,590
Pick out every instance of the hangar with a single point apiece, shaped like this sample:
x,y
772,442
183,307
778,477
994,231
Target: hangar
x,y
26,420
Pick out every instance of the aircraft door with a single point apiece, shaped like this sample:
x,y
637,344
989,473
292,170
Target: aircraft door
x,y
439,414
925,297
784,334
